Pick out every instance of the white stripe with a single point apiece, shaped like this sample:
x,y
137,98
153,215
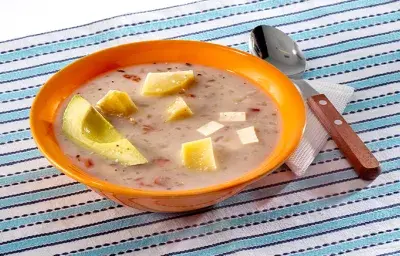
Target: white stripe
x,y
354,54
27,165
373,113
21,188
378,250
359,74
376,91
20,103
24,83
17,146
334,39
196,219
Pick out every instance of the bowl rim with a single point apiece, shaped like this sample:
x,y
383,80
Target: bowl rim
x,y
105,186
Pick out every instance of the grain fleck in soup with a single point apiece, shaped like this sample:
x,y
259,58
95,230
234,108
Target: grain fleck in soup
x,y
240,120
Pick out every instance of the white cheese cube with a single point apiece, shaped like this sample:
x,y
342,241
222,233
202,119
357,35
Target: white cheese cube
x,y
210,128
232,116
247,135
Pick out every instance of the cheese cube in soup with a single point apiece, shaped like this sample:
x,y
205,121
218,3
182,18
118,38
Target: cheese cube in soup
x,y
164,83
178,110
199,155
117,103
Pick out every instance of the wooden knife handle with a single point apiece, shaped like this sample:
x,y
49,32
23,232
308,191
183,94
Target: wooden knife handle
x,y
353,148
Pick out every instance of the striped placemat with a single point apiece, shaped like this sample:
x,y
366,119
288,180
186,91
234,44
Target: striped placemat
x,y
327,212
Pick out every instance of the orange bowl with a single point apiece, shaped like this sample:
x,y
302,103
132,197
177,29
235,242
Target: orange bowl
x,y
265,76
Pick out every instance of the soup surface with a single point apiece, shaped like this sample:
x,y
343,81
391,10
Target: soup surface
x,y
213,91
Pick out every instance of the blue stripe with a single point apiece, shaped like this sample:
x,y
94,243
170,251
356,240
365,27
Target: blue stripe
x,y
291,234
382,95
141,29
372,103
350,246
368,82
226,224
14,110
342,27
15,114
353,65
28,176
376,123
16,140
131,221
19,94
353,44
15,120
18,156
15,135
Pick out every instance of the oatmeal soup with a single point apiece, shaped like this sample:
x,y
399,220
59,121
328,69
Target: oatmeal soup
x,y
166,126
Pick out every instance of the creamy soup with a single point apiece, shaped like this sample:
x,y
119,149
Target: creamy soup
x,y
213,91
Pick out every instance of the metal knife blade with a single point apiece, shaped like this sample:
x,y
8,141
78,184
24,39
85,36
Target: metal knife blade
x,y
305,88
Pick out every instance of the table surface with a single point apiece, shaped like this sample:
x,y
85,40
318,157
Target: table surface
x,y
329,211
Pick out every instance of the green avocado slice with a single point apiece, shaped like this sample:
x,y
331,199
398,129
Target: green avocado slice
x,y
86,127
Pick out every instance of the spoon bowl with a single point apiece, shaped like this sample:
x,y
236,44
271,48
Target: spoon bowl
x,y
277,48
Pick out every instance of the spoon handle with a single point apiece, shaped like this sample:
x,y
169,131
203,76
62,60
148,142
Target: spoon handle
x,y
353,148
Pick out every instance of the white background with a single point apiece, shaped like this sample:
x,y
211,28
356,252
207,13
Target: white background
x,y
26,17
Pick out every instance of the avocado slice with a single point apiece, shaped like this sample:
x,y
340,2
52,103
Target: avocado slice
x,y
86,127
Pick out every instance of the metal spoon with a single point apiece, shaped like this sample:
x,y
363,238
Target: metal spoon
x,y
280,50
